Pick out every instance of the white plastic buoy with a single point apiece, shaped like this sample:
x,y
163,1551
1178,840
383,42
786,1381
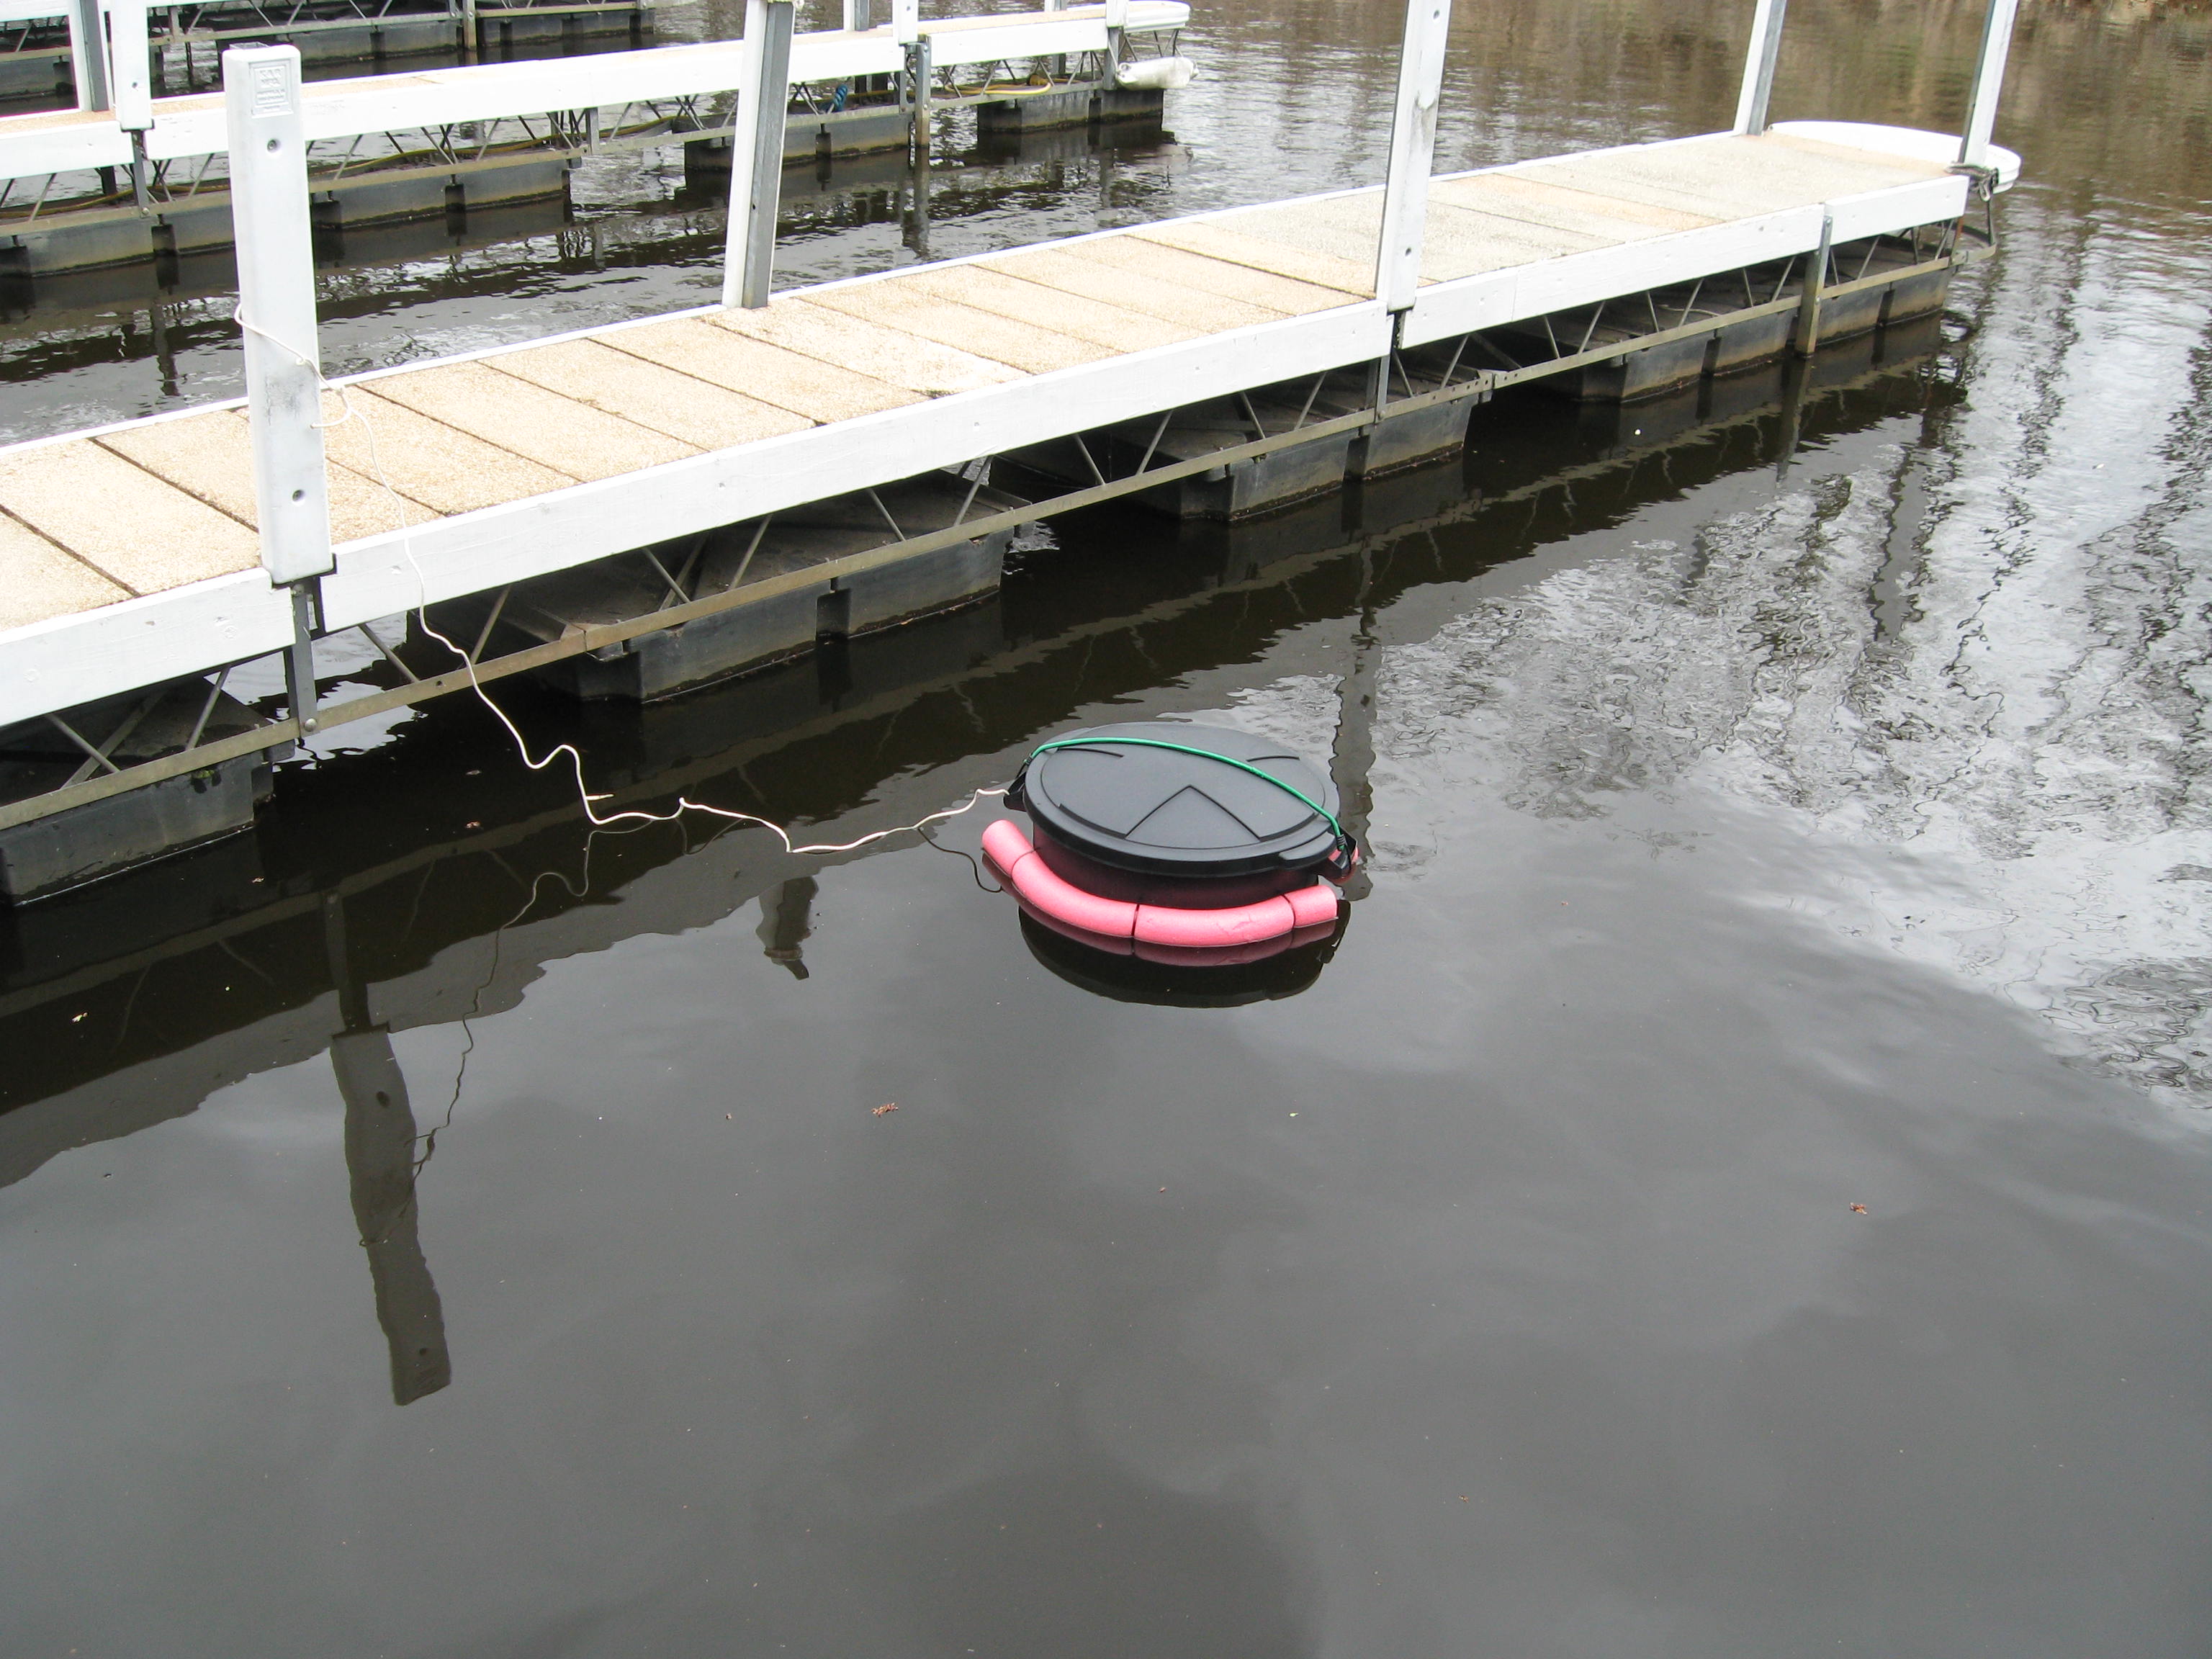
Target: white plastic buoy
x,y
1154,74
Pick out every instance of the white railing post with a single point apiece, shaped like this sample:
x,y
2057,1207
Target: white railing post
x,y
756,152
1759,61
276,313
906,22
858,15
88,54
1412,153
1989,81
130,85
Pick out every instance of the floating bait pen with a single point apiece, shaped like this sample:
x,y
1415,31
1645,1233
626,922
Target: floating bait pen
x,y
1187,846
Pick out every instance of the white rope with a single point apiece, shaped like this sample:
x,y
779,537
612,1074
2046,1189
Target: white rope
x,y
584,794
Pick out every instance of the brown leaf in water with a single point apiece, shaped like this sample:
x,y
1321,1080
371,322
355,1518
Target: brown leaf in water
x,y
1858,1209
888,1106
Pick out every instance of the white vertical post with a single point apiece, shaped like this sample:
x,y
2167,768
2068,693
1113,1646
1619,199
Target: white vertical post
x,y
906,22
858,15
1412,153
1759,61
1989,81
1117,14
276,307
130,86
88,54
756,152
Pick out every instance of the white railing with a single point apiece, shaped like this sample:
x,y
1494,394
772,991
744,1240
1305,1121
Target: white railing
x,y
1766,52
194,125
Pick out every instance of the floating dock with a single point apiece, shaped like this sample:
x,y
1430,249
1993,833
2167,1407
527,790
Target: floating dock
x,y
603,495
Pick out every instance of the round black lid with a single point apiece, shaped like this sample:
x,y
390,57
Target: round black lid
x,y
1168,812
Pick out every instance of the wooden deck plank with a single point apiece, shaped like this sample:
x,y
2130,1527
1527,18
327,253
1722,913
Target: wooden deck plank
x,y
212,455
1149,258
1192,308
990,290
39,580
684,408
892,304
1661,219
1455,242
1218,238
1752,170
1831,168
1509,197
1344,228
525,419
1727,176
1461,242
721,357
1708,199
1911,165
882,354
443,468
139,532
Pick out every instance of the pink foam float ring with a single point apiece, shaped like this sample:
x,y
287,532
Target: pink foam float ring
x,y
1203,930
1172,926
1112,947
1313,906
1061,901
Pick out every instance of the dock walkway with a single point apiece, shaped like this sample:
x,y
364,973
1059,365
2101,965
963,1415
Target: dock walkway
x,y
122,548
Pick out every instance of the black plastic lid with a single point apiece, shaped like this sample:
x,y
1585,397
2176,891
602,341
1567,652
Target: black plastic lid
x,y
1173,814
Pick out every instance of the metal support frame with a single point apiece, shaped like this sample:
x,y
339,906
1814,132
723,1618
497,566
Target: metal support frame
x,y
1805,338
1989,83
1412,153
300,662
1759,59
277,309
757,153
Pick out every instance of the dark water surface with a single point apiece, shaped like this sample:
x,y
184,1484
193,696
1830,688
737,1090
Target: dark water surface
x,y
1785,800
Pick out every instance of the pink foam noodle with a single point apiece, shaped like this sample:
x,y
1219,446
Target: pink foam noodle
x,y
1313,906
1056,899
1059,900
1203,930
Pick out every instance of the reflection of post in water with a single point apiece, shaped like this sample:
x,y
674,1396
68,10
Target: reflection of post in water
x,y
165,356
786,919
379,1154
1352,759
1795,371
917,230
